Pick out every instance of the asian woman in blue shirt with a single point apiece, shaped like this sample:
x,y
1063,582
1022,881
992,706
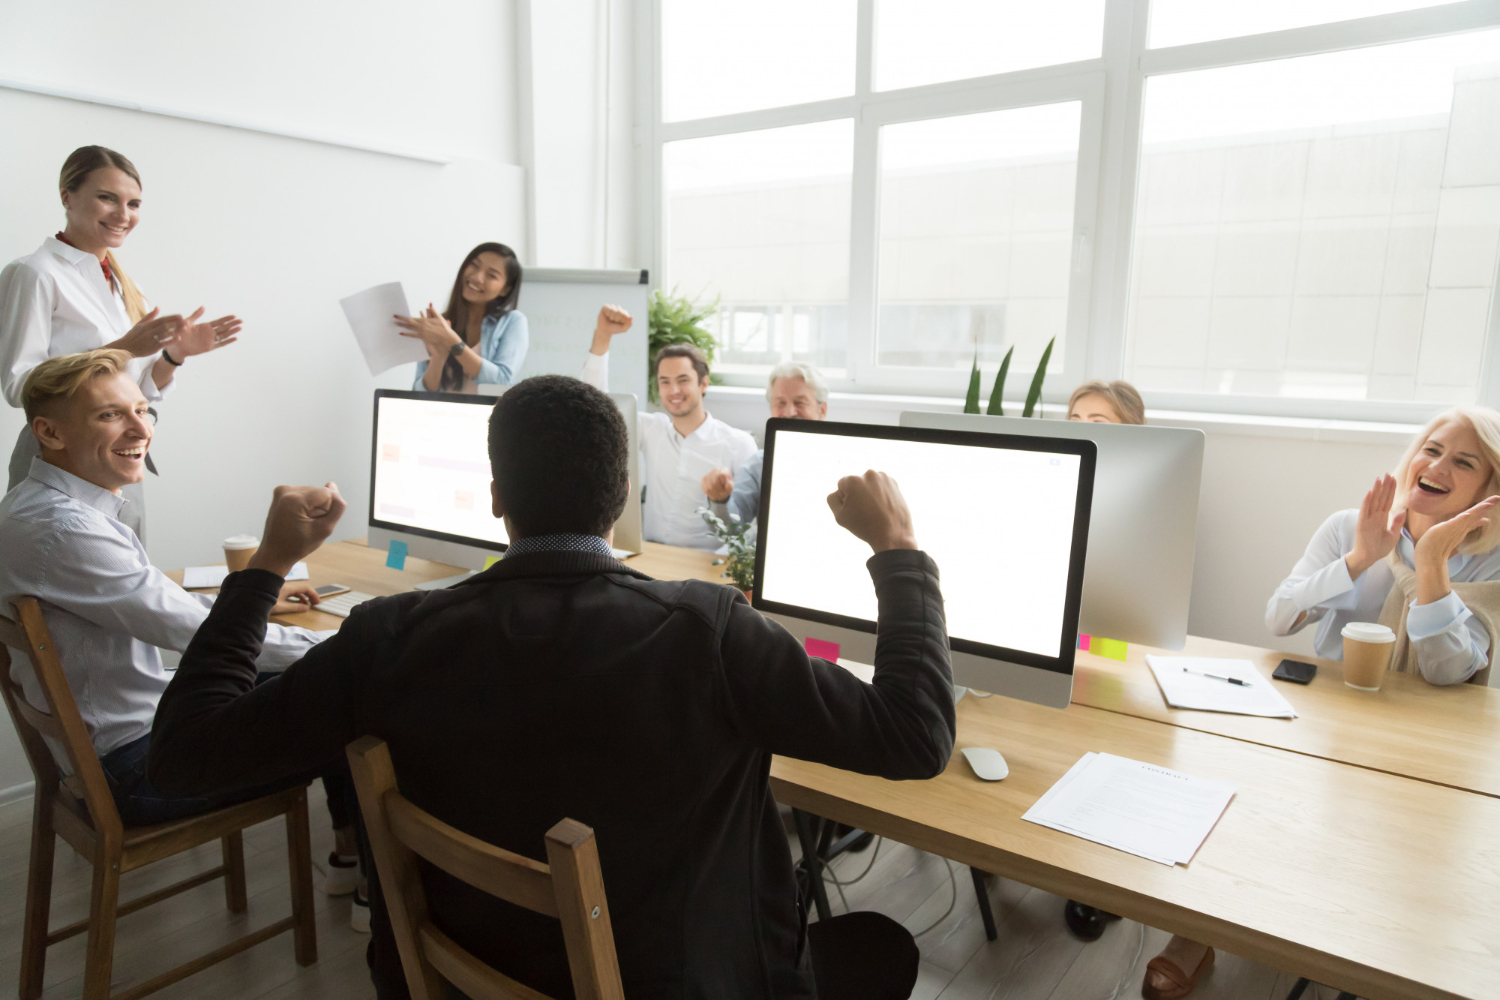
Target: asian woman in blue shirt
x,y
480,339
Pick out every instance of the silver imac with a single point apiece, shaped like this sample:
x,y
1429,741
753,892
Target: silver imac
x,y
1005,518
430,480
1138,581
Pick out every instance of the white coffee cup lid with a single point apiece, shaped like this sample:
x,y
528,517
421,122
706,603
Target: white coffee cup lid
x,y
241,542
1368,632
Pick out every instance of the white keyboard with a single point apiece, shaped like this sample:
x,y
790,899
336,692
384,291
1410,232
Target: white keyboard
x,y
342,604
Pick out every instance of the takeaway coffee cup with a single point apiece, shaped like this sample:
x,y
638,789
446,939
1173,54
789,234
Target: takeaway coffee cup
x,y
1367,654
237,551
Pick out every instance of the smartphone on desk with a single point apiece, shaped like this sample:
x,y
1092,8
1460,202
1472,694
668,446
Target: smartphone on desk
x,y
329,589
1295,671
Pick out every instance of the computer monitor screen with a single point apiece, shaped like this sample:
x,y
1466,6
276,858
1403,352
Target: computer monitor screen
x,y
1005,518
430,470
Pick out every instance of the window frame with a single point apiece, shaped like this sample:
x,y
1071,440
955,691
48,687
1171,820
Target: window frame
x,y
1111,89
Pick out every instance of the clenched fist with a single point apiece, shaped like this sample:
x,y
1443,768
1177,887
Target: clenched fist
x,y
718,484
871,508
300,519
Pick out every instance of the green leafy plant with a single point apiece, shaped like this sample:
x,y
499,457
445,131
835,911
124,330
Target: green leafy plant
x,y
677,319
738,538
1034,394
996,406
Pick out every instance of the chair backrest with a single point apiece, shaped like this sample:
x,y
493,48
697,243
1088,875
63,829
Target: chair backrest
x,y
570,887
28,635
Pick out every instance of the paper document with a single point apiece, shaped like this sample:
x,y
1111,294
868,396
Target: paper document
x,y
1153,812
213,576
370,315
1195,682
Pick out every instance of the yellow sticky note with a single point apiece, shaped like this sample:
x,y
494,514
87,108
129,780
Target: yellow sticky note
x,y
1114,649
491,561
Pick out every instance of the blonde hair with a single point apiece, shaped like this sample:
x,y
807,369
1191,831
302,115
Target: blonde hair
x,y
75,170
1485,423
61,377
1122,396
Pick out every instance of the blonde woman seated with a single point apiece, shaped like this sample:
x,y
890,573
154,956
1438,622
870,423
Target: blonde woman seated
x,y
1107,403
1419,555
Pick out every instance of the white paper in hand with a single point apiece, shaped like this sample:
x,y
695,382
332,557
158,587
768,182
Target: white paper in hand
x,y
370,314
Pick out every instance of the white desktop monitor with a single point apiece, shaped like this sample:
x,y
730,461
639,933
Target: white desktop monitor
x,y
1005,518
430,479
1138,581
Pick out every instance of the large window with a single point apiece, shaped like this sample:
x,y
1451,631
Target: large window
x,y
1281,207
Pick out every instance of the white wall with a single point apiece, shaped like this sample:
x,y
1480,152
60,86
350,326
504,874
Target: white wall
x,y
271,228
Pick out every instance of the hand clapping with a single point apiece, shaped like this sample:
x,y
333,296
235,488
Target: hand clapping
x,y
1378,530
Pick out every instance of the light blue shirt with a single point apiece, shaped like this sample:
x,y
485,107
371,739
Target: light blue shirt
x,y
1450,643
502,350
744,502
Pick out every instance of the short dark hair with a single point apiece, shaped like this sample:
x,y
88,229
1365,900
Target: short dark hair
x,y
700,363
560,456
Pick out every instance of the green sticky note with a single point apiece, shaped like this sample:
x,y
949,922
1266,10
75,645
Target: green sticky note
x,y
491,561
1114,649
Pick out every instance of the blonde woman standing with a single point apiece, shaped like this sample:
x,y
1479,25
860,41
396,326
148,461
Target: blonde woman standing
x,y
71,295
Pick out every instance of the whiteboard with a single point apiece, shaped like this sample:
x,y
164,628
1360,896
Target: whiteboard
x,y
561,306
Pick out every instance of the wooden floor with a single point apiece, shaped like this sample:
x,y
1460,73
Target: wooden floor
x,y
1035,957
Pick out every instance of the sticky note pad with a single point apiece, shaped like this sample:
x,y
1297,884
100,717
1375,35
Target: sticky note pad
x,y
491,561
1113,649
821,647
1083,642
396,557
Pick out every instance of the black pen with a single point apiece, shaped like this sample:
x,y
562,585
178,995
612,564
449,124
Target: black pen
x,y
1217,677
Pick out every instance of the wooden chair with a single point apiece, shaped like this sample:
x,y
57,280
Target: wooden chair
x,y
80,809
570,887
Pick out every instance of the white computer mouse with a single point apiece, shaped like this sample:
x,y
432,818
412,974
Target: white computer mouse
x,y
987,763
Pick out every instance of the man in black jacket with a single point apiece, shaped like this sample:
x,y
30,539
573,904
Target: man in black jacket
x,y
560,683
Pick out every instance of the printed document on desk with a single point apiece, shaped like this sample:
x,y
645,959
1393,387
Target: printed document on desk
x,y
1149,811
195,577
1183,685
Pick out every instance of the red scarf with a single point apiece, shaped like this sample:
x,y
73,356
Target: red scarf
x,y
109,276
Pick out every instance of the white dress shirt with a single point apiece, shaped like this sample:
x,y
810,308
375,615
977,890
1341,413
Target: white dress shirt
x,y
56,301
1450,643
107,607
673,467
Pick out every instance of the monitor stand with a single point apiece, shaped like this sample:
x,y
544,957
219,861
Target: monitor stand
x,y
446,581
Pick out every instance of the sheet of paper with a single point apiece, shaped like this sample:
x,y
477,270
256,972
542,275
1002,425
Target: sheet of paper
x,y
195,577
1184,689
1153,812
370,315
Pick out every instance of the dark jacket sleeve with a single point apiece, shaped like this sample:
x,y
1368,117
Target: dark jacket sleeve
x,y
216,730
899,726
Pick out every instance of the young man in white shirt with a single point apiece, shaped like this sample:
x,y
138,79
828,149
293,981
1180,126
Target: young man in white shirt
x,y
109,610
679,447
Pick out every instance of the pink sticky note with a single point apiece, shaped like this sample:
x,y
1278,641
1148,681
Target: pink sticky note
x,y
1083,642
821,647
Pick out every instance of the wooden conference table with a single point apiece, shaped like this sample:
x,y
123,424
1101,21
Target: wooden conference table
x,y
1362,848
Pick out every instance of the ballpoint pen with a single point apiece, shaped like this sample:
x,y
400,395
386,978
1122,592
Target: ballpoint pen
x,y
1217,677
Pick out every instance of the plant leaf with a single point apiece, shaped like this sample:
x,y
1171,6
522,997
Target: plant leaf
x,y
997,395
971,402
1035,392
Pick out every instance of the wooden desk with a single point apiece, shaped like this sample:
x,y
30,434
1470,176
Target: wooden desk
x,y
1365,881
1447,735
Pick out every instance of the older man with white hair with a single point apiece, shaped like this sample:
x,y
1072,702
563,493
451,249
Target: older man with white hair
x,y
794,390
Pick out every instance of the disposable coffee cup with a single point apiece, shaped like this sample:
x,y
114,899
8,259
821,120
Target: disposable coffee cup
x,y
237,551
1367,654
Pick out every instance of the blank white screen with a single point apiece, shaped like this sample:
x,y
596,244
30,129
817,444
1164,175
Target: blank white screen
x,y
998,523
432,467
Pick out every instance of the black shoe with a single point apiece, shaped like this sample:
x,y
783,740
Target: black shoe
x,y
1086,923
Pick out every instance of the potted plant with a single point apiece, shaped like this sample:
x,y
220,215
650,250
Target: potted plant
x,y
997,406
676,319
739,539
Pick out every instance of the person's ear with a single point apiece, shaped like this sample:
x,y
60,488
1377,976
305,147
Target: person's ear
x,y
46,432
496,507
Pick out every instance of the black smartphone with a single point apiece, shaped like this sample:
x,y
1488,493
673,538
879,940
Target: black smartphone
x,y
1295,671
